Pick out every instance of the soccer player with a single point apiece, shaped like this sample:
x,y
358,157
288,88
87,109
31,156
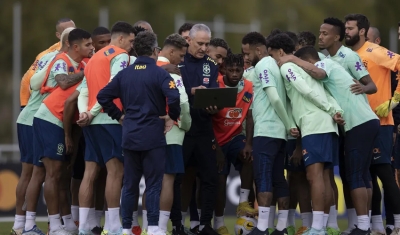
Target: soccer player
x,y
307,38
185,29
379,62
48,127
374,35
236,147
101,37
218,51
103,135
313,111
25,135
144,24
61,25
271,126
199,72
144,127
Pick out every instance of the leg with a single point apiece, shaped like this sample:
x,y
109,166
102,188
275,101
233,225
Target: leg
x,y
317,188
329,200
33,190
166,200
21,191
115,172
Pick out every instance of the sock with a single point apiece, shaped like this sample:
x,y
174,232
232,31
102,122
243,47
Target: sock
x,y
126,231
244,195
377,223
135,221
91,218
318,220
144,223
199,212
99,215
163,220
106,227
19,221
332,219
326,216
114,221
218,222
69,223
363,222
55,222
370,215
396,221
352,218
30,220
291,217
201,227
271,218
193,224
263,216
390,226
184,214
282,219
152,229
83,218
75,213
306,219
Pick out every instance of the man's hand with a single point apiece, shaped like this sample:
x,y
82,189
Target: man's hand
x,y
285,59
168,123
220,159
170,68
296,157
121,120
69,145
247,153
357,88
85,119
195,88
339,119
212,109
294,132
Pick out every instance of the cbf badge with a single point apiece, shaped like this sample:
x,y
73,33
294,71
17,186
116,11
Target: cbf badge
x,y
206,69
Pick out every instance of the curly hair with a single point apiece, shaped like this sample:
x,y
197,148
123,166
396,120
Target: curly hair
x,y
185,27
138,29
306,38
234,59
254,38
281,41
219,42
144,43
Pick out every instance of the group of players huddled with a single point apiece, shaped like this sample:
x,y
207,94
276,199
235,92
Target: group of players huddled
x,y
101,110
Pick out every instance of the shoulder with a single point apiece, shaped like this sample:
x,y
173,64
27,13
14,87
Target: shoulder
x,y
210,61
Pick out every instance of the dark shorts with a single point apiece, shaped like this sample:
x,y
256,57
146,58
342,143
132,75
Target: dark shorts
x,y
174,163
103,142
49,140
320,148
290,147
197,148
79,165
231,151
382,151
396,152
25,142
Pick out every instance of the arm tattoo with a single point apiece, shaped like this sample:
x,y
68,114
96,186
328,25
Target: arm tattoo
x,y
66,81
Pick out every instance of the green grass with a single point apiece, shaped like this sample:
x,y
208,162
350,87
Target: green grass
x,y
229,222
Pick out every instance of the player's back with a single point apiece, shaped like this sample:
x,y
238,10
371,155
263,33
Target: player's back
x,y
307,116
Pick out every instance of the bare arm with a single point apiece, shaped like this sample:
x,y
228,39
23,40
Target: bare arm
x,y
249,128
66,81
309,68
369,85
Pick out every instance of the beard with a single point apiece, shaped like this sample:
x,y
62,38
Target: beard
x,y
352,41
255,61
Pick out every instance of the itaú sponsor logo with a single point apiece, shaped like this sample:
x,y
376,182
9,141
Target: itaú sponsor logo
x,y
228,122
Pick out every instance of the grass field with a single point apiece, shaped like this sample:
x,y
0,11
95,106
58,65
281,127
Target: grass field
x,y
5,227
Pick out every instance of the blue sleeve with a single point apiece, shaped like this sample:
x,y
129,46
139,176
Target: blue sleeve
x,y
107,95
173,98
214,79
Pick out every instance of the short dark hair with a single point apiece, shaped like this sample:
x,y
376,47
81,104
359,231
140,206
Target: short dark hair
x,y
306,38
77,35
307,52
62,20
281,41
293,36
234,59
219,42
185,27
254,38
176,40
140,22
100,31
122,27
338,25
362,21
138,29
144,43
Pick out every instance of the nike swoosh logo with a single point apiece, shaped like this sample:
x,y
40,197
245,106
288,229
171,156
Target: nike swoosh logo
x,y
179,66
376,157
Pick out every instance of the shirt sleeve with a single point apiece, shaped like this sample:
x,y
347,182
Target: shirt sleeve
x,y
356,66
83,98
386,58
264,74
118,63
170,91
185,120
107,95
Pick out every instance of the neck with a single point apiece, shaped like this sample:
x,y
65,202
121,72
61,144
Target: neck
x,y
164,54
114,43
334,48
359,44
76,57
227,83
64,49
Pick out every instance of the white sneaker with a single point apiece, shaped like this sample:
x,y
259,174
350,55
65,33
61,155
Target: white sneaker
x,y
60,231
396,231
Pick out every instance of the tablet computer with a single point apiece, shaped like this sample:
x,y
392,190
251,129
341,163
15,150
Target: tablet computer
x,y
220,97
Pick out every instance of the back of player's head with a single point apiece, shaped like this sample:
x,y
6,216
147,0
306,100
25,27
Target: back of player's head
x,y
122,27
339,26
62,20
64,36
77,35
254,39
362,21
144,43
175,40
138,29
100,31
185,27
234,60
306,38
293,36
307,52
219,42
140,22
281,41
198,28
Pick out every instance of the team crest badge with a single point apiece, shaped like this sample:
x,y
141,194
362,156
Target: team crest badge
x,y
206,69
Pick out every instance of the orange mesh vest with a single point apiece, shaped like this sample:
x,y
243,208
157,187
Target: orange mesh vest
x,y
97,73
71,69
227,123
